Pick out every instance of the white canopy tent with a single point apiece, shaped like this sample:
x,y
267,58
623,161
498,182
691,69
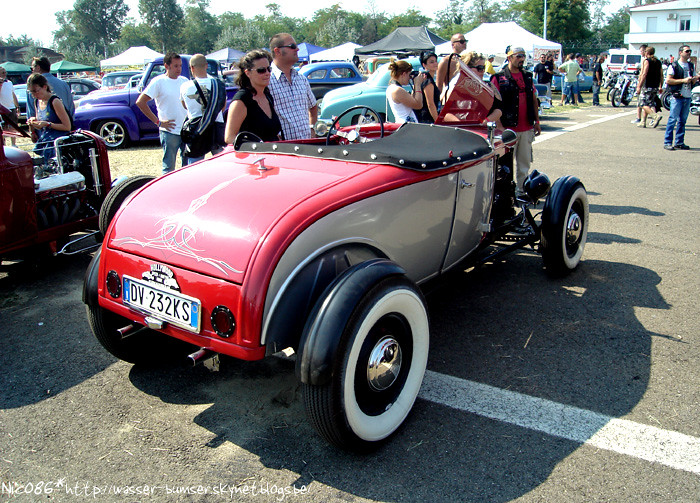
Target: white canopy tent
x,y
343,52
492,38
134,57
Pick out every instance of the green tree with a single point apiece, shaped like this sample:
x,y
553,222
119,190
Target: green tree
x,y
133,35
165,18
332,26
86,55
411,17
374,26
68,38
483,11
612,34
245,37
100,21
567,20
200,29
451,19
232,19
22,40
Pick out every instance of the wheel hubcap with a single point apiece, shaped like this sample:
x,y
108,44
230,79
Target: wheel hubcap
x,y
574,228
112,133
384,364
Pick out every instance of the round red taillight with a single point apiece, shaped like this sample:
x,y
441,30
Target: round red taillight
x,y
114,284
222,321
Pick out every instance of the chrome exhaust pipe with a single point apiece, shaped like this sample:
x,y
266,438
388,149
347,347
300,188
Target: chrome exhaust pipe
x,y
202,356
130,330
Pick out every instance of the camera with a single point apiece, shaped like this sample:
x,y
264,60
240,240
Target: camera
x,y
414,74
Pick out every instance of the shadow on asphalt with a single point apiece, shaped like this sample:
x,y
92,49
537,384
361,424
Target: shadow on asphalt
x,y
607,209
46,346
607,239
573,340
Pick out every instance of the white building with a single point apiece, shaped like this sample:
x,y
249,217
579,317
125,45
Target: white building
x,y
666,26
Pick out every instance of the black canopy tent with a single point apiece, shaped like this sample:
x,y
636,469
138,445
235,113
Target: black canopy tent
x,y
404,41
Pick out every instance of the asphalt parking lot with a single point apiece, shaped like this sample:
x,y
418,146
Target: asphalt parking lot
x,y
578,389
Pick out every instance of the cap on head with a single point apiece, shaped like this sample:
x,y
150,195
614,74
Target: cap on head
x,y
516,50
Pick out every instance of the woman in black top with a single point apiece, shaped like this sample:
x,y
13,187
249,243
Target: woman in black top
x,y
253,109
431,96
649,87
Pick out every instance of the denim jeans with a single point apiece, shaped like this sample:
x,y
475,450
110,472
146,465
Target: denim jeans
x,y
569,91
577,90
171,144
680,108
596,93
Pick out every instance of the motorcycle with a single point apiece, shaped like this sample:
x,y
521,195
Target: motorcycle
x,y
695,102
609,79
625,89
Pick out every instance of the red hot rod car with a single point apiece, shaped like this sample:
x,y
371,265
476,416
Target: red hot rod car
x,y
322,246
43,202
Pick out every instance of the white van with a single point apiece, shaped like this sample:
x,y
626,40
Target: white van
x,y
620,57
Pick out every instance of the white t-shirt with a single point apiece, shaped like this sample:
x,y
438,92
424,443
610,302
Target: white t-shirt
x,y
6,99
192,100
685,89
402,113
166,92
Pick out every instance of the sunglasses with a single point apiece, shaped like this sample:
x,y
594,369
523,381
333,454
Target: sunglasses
x,y
461,41
479,68
290,46
688,50
263,70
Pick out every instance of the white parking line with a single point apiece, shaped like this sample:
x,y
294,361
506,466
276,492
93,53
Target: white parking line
x,y
670,448
576,126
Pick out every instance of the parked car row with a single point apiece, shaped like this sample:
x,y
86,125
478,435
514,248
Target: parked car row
x,y
371,93
585,82
329,75
119,80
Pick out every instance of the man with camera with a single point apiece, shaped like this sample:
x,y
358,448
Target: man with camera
x,y
680,77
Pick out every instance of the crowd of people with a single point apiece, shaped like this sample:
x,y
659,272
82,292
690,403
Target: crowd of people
x,y
680,77
275,101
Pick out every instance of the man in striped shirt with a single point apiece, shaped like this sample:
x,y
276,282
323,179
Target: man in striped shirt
x,y
295,103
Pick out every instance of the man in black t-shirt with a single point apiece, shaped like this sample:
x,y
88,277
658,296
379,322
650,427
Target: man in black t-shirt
x,y
544,71
597,79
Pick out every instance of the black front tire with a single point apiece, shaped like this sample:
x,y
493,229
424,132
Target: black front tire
x,y
666,100
616,98
564,229
381,362
116,197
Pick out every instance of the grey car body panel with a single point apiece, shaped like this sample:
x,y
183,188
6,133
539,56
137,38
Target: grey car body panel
x,y
413,226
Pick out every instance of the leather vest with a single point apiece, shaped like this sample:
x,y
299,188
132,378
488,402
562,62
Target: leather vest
x,y
510,94
679,73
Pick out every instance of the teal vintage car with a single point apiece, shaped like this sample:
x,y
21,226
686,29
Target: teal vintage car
x,y
371,93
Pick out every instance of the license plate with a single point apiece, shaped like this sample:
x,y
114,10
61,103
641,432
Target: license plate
x,y
180,310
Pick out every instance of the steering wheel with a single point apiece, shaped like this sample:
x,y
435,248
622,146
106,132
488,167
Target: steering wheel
x,y
243,137
367,116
